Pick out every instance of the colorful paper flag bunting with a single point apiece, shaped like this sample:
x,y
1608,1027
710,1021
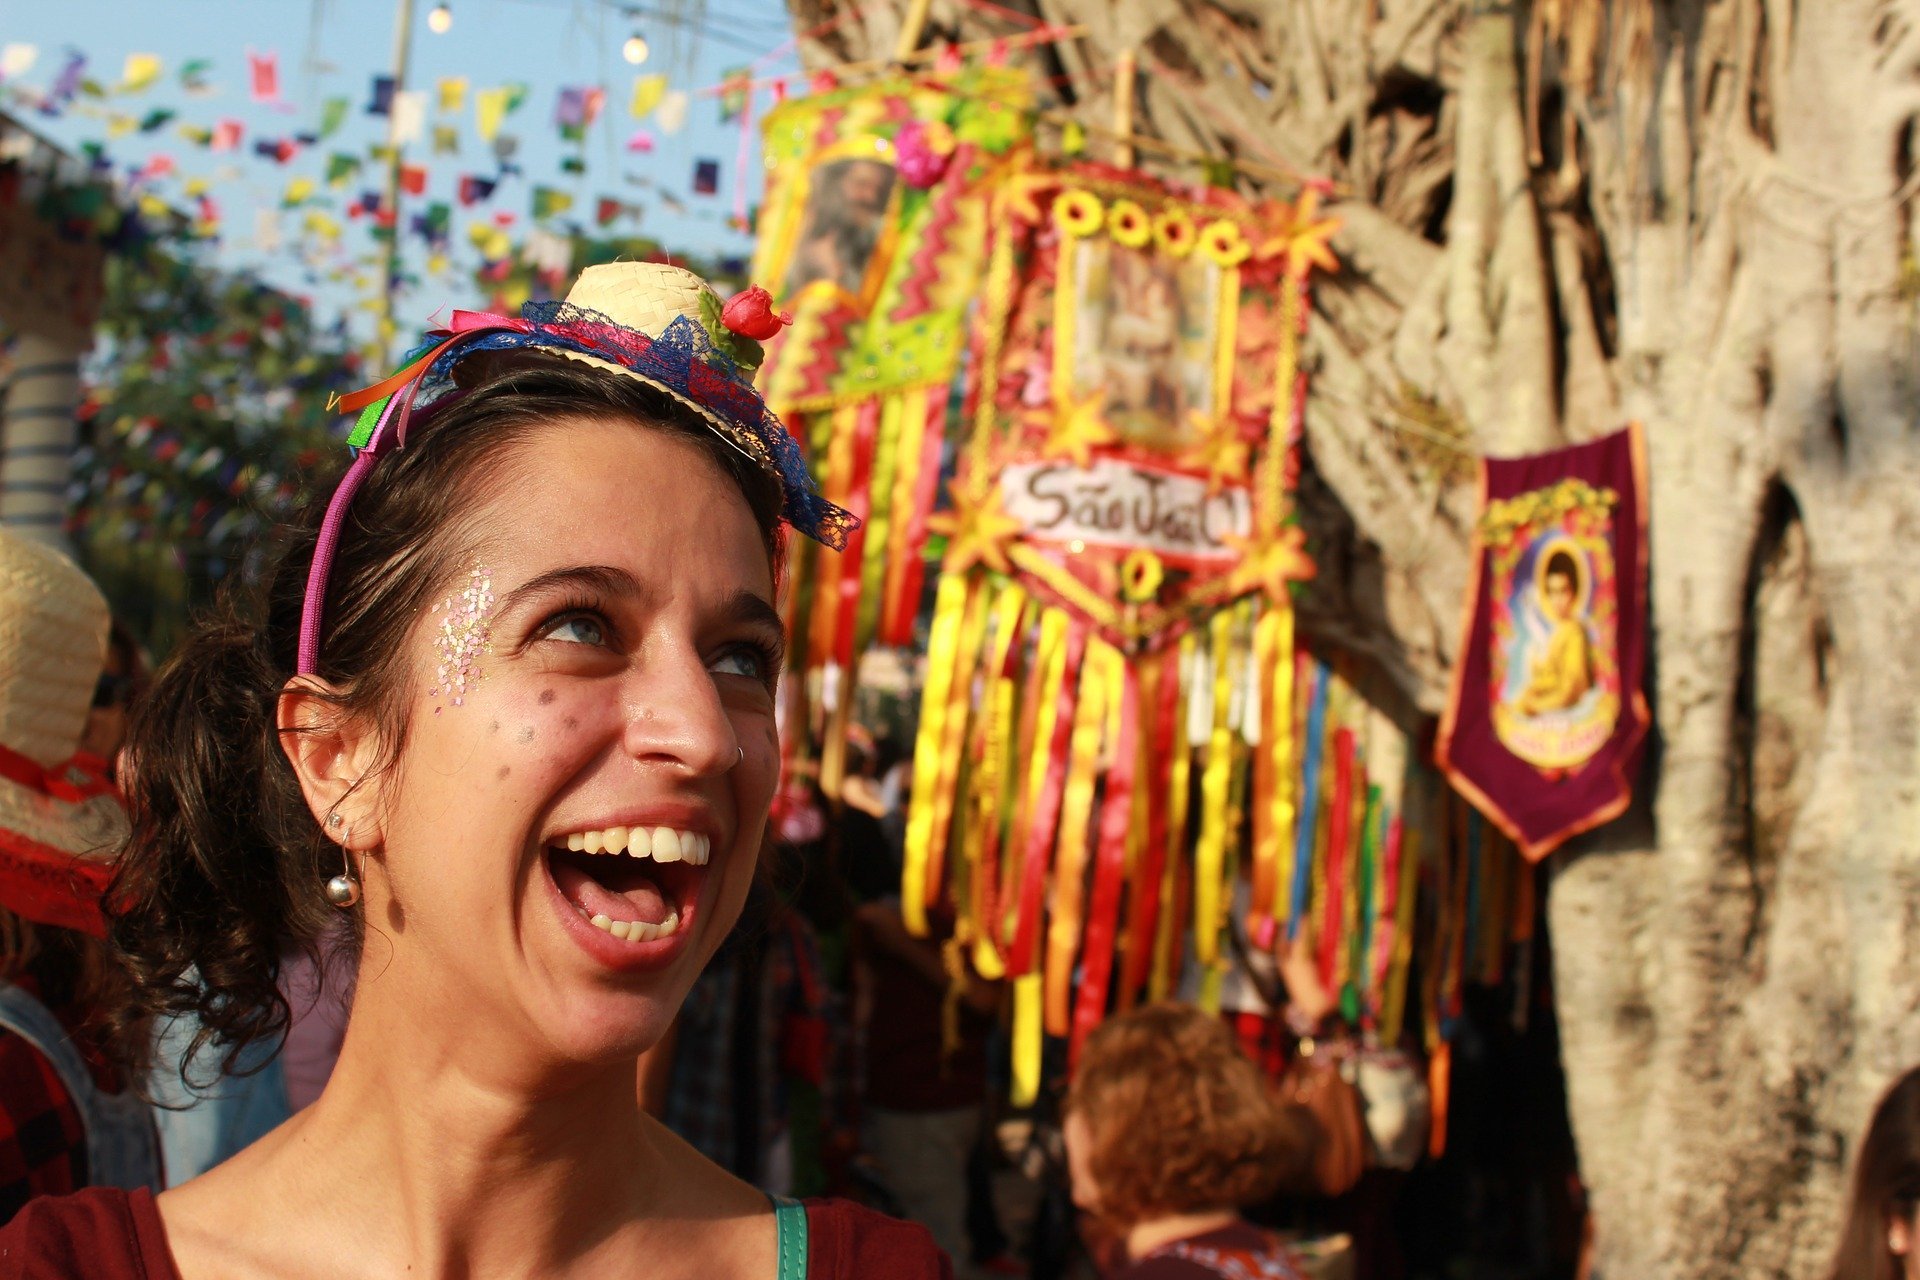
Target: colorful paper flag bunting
x,y
489,109
263,73
333,114
641,142
672,112
409,116
446,140
474,188
647,93
341,167
548,202
706,177
227,135
413,179
193,76
453,94
735,90
298,192
140,71
381,102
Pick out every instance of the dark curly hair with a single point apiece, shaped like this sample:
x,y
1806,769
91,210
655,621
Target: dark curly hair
x,y
225,867
1179,1120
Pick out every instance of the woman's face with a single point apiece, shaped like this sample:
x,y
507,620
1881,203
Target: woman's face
x,y
572,824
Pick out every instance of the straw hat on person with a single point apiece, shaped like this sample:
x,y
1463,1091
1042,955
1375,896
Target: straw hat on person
x,y
647,297
60,819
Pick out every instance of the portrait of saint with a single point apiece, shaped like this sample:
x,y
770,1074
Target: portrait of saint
x,y
1143,340
1556,688
842,226
1560,675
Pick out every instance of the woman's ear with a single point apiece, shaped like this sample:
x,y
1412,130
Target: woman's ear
x,y
1900,1234
333,752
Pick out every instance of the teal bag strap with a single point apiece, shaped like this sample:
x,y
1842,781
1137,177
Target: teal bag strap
x,y
790,1225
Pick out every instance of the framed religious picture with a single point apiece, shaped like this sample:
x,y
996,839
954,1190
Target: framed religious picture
x,y
1547,718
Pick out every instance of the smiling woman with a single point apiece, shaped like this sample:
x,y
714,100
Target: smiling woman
x,y
508,704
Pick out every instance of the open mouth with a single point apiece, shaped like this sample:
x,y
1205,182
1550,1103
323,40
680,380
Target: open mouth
x,y
639,884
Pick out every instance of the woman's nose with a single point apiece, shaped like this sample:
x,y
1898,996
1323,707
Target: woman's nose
x,y
675,715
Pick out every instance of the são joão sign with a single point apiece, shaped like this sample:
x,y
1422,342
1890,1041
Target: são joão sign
x,y
1115,503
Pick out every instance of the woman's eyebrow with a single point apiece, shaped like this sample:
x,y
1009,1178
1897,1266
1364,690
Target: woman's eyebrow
x,y
601,579
750,608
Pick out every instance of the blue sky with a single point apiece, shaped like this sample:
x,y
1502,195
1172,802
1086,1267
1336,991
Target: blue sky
x,y
329,48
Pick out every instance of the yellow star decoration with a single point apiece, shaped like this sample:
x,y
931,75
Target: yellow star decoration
x,y
1269,561
978,531
1300,237
1078,428
1221,451
1022,195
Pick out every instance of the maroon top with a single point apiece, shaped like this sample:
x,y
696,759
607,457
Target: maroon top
x,y
104,1233
1239,1249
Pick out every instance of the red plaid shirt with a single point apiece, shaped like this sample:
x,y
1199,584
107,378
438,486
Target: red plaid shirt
x,y
43,1148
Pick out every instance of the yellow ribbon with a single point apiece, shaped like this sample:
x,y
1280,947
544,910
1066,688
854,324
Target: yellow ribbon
x,y
1027,1041
1070,856
1051,662
985,784
953,736
949,610
1209,859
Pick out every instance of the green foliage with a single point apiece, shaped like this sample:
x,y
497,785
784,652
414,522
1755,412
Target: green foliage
x,y
204,421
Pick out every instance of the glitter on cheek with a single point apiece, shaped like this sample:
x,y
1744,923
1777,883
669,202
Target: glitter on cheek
x,y
465,636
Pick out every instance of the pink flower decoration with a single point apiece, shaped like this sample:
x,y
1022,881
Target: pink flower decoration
x,y
750,314
922,152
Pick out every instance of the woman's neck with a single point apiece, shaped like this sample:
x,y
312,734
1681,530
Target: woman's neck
x,y
1144,1237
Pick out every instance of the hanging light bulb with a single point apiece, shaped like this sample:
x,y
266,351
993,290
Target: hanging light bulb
x,y
636,49
440,21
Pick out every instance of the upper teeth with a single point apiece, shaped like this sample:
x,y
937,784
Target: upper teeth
x,y
662,844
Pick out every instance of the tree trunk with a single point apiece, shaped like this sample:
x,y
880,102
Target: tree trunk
x,y
1559,216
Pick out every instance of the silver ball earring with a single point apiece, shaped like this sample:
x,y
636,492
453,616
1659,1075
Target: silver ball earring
x,y
343,891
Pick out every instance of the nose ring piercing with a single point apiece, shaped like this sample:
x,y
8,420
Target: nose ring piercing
x,y
343,891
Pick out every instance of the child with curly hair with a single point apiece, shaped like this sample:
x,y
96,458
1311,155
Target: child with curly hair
x,y
1170,1130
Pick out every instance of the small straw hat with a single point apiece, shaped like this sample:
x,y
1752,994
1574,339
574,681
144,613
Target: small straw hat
x,y
645,297
60,819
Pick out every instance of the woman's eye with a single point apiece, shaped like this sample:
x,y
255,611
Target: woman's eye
x,y
741,662
577,628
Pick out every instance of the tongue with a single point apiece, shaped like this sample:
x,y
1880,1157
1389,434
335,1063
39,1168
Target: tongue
x,y
618,888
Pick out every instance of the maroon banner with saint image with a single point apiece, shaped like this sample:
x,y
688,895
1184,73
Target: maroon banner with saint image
x,y
1545,725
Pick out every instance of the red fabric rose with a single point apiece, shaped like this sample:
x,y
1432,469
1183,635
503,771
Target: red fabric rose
x,y
750,314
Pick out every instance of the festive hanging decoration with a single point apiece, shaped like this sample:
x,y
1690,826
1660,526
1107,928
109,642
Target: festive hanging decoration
x,y
1108,681
878,260
1548,716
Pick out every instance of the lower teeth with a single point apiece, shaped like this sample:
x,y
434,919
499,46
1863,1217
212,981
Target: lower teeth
x,y
636,930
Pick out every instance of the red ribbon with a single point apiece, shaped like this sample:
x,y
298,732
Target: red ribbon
x,y
1044,818
1103,917
58,781
1146,905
